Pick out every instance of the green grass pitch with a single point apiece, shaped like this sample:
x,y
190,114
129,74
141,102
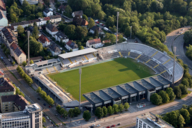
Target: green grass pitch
x,y
100,76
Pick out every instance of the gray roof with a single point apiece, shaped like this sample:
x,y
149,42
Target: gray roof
x,y
61,35
54,48
78,13
47,10
77,53
51,27
126,89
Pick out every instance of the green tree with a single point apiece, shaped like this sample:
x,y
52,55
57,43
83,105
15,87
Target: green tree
x,y
31,62
156,99
47,2
68,11
35,32
177,92
181,121
20,29
85,17
186,115
110,21
81,32
76,111
171,94
70,31
126,106
110,110
91,23
58,108
71,113
105,111
183,89
101,15
121,107
164,96
99,112
24,63
39,90
86,115
189,51
115,108
44,120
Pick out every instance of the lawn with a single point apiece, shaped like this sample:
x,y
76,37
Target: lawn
x,y
101,76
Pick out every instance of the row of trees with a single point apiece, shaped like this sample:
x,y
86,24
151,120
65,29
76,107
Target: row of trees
x,y
187,41
168,95
71,113
28,11
18,92
103,112
24,75
46,97
180,117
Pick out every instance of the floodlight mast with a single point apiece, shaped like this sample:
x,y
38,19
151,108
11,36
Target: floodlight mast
x,y
117,26
80,72
28,34
173,80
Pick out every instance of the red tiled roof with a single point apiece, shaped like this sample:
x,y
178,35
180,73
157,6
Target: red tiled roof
x,y
1,73
46,18
84,22
106,41
94,41
14,46
69,42
43,39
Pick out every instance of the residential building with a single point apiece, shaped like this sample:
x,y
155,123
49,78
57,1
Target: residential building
x,y
106,41
78,14
8,36
149,120
6,87
30,117
78,21
48,12
13,103
62,8
17,53
55,18
70,45
55,50
96,28
51,29
39,21
44,40
95,43
30,1
61,37
3,7
62,1
37,59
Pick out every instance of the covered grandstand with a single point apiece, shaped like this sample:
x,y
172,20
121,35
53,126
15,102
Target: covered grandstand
x,y
75,58
128,92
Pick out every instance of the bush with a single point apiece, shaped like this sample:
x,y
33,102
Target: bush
x,y
99,112
24,75
126,106
177,92
77,111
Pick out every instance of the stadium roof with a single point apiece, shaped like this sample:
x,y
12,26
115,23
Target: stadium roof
x,y
126,89
77,53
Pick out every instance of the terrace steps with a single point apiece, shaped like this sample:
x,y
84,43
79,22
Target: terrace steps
x,y
47,70
166,61
154,53
156,66
138,57
120,54
147,61
86,57
70,61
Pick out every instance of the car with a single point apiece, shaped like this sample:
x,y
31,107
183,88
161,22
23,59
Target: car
x,y
112,125
108,127
38,98
98,125
93,125
118,124
44,104
106,29
56,114
49,106
97,22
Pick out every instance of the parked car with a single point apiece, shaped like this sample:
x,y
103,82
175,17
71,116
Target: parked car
x,y
112,125
108,127
106,29
38,98
98,125
44,104
118,124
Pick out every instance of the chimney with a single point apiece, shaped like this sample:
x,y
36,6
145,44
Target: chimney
x,y
157,119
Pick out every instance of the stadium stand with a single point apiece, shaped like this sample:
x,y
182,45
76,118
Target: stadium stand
x,y
157,60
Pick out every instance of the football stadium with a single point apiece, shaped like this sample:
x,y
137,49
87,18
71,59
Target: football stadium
x,y
120,73
101,75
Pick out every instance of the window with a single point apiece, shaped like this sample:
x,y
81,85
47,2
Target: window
x,y
20,59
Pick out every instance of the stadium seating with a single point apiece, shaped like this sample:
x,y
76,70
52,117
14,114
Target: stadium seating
x,y
159,61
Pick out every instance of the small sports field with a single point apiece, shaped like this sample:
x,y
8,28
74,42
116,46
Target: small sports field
x,y
103,75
